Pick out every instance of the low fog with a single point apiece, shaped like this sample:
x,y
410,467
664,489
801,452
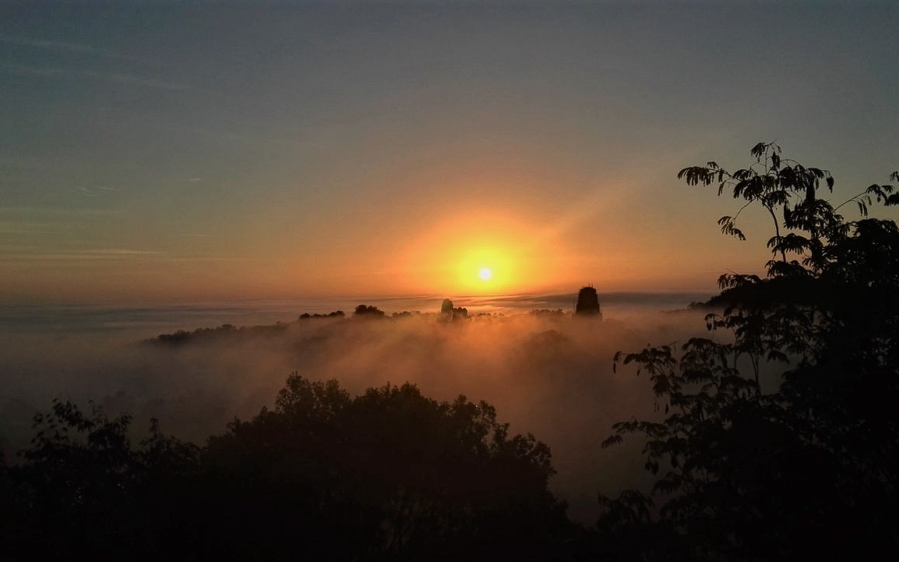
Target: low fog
x,y
550,375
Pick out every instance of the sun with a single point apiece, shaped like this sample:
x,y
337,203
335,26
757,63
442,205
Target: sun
x,y
485,274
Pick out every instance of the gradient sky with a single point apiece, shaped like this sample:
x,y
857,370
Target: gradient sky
x,y
160,152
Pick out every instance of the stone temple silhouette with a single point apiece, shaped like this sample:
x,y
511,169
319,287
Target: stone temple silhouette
x,y
587,303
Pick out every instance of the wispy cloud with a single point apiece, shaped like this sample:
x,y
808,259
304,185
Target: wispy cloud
x,y
31,254
141,81
126,253
117,77
95,191
212,259
26,227
114,254
56,211
66,47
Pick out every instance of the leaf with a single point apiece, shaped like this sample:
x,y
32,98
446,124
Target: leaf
x,y
759,150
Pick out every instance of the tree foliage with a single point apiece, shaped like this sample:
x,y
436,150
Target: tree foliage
x,y
368,311
389,474
805,469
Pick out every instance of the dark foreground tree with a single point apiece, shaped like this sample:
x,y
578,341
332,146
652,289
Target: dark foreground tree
x,y
388,475
808,471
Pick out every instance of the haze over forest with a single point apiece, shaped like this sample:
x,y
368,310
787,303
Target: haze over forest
x,y
547,374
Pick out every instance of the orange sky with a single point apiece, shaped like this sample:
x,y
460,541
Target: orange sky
x,y
391,150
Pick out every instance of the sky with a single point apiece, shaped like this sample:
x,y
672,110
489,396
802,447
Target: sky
x,y
176,152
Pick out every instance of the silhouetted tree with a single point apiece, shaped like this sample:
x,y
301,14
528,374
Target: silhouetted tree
x,y
83,484
368,311
806,471
547,312
335,314
389,474
446,307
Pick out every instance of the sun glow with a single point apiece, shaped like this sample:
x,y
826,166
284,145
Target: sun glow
x,y
479,254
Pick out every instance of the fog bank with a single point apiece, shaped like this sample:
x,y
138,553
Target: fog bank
x,y
550,375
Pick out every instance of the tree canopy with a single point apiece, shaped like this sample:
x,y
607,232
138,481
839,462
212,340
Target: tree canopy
x,y
389,474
